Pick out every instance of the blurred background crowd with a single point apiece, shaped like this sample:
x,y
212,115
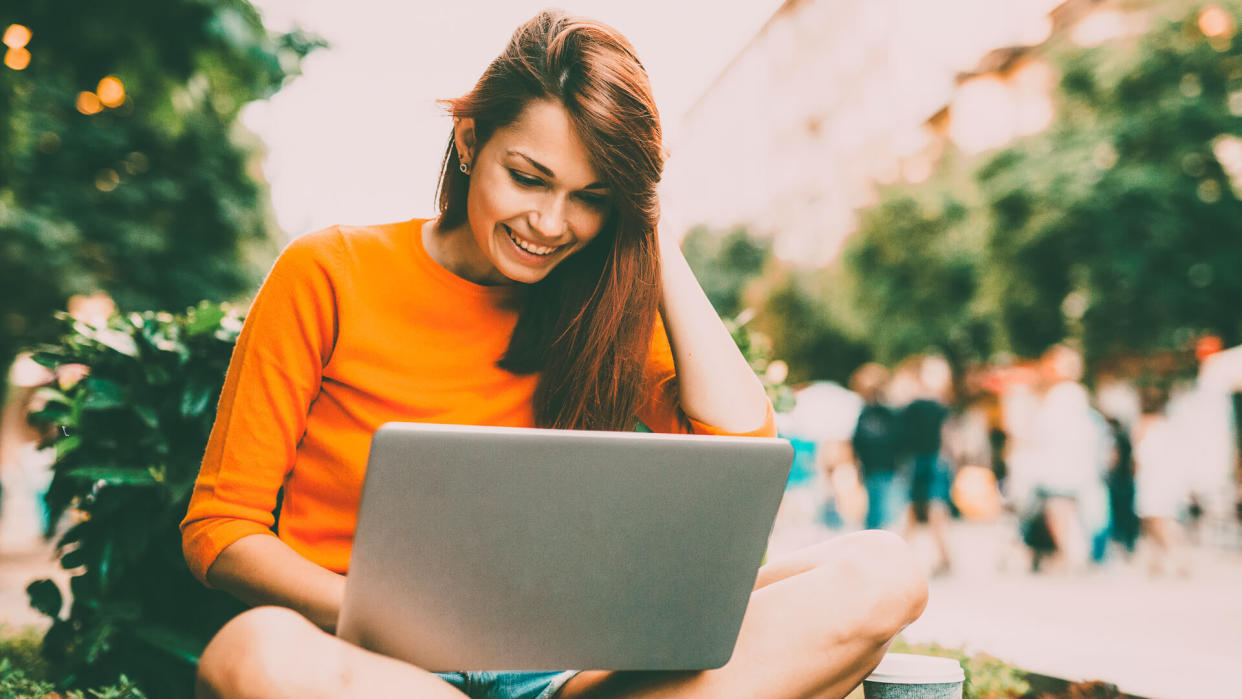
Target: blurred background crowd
x,y
1081,475
986,256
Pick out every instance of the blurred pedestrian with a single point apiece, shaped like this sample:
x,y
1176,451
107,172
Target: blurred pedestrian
x,y
922,422
1123,520
876,442
1066,464
1162,482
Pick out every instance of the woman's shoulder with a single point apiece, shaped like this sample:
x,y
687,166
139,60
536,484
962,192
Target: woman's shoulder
x,y
338,248
340,240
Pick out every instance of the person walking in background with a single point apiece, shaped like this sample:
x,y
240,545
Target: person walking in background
x,y
922,422
1067,455
1162,482
876,442
1124,521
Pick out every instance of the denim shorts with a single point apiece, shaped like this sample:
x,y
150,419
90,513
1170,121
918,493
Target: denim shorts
x,y
507,685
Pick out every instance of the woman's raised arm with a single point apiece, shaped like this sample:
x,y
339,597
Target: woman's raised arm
x,y
717,386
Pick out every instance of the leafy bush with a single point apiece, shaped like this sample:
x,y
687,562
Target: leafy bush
x,y
986,676
23,673
129,438
14,683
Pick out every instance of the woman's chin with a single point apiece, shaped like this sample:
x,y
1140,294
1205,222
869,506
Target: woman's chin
x,y
523,267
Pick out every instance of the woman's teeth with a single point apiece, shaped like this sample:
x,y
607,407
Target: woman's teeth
x,y
528,247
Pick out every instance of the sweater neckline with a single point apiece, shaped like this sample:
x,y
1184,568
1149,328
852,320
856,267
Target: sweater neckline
x,y
444,276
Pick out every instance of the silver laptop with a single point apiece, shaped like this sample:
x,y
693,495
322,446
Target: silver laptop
x,y
485,548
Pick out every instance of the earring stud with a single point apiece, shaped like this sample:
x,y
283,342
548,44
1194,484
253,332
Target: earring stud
x,y
464,167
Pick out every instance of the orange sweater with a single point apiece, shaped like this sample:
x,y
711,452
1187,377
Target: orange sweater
x,y
355,327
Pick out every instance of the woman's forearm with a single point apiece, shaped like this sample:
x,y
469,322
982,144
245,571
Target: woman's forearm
x,y
717,386
262,569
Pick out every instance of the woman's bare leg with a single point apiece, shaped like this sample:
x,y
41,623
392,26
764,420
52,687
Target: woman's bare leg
x,y
818,622
272,653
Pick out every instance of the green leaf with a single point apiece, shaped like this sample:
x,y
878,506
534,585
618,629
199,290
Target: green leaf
x,y
98,640
105,563
73,559
178,644
113,475
196,398
52,413
47,394
204,319
67,445
116,340
102,394
45,597
148,416
50,360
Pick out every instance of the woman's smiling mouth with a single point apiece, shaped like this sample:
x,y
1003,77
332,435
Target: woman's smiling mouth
x,y
528,247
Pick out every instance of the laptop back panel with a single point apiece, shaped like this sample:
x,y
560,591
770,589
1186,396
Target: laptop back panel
x,y
516,549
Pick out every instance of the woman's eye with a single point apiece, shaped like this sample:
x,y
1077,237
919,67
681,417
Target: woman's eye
x,y
597,201
524,180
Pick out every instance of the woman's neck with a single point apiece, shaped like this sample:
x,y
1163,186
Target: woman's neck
x,y
455,250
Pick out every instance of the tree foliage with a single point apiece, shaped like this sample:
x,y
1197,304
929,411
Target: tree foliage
x,y
913,278
725,264
1119,226
807,331
150,200
741,279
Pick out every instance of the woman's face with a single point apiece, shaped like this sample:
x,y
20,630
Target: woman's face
x,y
534,198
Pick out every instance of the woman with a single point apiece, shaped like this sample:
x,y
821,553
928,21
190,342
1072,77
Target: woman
x,y
539,297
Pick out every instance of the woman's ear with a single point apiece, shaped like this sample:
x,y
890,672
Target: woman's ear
x,y
463,138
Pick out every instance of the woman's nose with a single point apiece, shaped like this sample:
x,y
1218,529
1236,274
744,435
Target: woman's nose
x,y
549,219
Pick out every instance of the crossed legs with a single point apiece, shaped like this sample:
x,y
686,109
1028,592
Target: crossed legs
x,y
818,622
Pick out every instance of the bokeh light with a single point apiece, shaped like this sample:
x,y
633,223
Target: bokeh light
x,y
17,58
1216,22
111,91
106,180
16,36
88,103
984,114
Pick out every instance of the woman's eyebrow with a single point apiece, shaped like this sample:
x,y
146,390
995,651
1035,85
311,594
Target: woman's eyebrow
x,y
547,172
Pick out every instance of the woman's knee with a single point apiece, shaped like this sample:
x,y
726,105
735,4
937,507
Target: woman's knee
x,y
266,652
887,581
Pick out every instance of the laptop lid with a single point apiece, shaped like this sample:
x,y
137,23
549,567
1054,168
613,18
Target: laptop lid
x,y
483,548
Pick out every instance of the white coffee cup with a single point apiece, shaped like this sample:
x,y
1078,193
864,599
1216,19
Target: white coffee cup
x,y
904,676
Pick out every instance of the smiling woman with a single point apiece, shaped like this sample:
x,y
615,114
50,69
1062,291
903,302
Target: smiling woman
x,y
562,141
518,198
541,296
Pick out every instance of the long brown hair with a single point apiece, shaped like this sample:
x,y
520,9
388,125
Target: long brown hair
x,y
586,327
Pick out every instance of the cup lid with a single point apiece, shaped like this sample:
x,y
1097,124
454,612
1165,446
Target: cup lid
x,y
903,668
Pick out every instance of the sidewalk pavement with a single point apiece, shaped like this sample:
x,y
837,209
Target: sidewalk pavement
x,y
1162,637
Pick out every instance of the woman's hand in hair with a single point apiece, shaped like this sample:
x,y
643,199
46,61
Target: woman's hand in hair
x,y
717,385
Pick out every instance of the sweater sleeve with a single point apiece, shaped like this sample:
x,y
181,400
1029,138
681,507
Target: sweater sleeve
x,y
273,378
661,410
